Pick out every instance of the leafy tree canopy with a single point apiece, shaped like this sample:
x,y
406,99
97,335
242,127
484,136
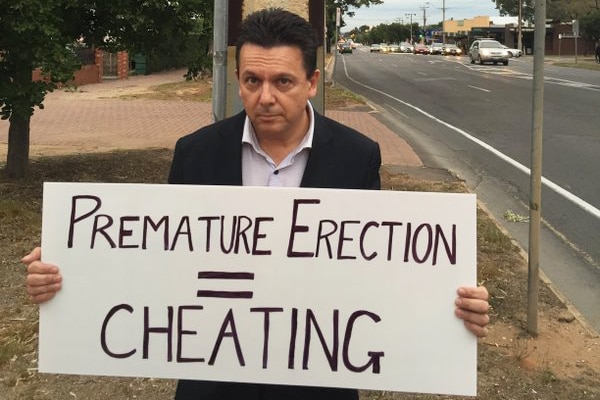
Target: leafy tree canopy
x,y
590,25
347,7
557,10
42,34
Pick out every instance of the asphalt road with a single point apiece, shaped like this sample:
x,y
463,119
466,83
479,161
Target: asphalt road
x,y
477,121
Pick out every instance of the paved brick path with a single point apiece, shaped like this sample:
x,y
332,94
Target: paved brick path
x,y
92,119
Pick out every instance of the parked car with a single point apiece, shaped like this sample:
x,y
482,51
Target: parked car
x,y
346,48
375,48
406,47
513,52
451,50
436,48
421,49
488,50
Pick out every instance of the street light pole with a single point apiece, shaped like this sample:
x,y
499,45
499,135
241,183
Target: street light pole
x,y
411,26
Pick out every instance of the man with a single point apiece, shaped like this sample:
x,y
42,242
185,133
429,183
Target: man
x,y
278,140
597,51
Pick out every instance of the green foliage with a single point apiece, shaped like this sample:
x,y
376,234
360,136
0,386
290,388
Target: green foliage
x,y
556,10
590,25
42,33
346,8
390,33
32,35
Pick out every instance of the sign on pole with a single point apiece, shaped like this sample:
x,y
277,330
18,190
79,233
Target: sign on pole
x,y
342,288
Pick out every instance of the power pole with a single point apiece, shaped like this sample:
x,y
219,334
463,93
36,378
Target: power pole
x,y
444,22
411,26
424,8
520,27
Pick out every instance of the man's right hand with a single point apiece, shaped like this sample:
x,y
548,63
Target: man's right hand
x,y
43,280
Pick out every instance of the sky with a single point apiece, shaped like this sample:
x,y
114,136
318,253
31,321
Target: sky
x,y
392,10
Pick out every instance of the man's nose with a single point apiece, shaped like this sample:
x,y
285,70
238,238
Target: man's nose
x,y
267,95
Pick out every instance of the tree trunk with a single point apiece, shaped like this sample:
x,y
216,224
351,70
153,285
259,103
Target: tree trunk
x,y
17,158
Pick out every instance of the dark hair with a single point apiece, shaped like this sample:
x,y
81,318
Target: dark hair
x,y
273,27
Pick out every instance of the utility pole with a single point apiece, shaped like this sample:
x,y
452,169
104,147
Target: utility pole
x,y
411,26
520,27
424,8
444,21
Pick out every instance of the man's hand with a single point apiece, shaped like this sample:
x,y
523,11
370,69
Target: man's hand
x,y
472,307
43,280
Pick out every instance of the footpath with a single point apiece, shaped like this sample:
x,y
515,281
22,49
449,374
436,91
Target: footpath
x,y
93,118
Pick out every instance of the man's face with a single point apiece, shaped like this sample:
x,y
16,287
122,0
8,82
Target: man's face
x,y
275,90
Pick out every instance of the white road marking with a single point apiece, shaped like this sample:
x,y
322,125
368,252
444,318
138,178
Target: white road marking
x,y
478,88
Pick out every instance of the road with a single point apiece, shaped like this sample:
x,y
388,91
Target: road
x,y
476,121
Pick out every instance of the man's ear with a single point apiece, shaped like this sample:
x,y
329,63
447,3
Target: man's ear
x,y
314,82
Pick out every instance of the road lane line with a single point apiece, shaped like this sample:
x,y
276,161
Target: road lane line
x,y
478,88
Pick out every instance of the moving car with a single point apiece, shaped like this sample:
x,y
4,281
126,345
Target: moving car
x,y
346,48
451,50
375,48
394,48
488,50
436,48
421,49
513,52
406,47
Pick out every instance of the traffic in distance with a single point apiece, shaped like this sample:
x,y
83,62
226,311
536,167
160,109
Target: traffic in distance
x,y
481,50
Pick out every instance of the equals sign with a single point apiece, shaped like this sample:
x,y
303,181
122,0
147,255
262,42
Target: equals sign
x,y
223,293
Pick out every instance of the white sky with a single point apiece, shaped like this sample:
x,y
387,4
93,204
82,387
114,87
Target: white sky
x,y
392,10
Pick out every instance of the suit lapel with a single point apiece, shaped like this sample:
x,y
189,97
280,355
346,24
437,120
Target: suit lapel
x,y
228,157
321,159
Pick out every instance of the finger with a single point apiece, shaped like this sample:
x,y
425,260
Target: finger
x,y
473,305
473,318
35,255
38,267
40,280
34,290
41,298
477,330
479,292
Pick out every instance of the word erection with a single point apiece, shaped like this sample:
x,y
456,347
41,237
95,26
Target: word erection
x,y
317,287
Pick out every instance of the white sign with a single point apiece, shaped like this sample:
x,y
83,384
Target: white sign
x,y
341,288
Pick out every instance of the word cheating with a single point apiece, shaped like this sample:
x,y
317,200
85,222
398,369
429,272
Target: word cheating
x,y
176,328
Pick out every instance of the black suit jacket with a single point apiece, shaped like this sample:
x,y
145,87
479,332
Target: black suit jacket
x,y
340,157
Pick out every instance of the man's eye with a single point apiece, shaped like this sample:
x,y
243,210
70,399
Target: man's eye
x,y
285,81
251,79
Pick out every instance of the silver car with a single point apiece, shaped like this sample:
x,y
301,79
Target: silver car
x,y
488,50
513,52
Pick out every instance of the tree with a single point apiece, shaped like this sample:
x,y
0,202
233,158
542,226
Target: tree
x,y
32,34
590,25
557,10
344,6
41,33
511,7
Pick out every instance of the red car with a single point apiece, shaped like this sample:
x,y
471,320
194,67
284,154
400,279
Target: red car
x,y
421,49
